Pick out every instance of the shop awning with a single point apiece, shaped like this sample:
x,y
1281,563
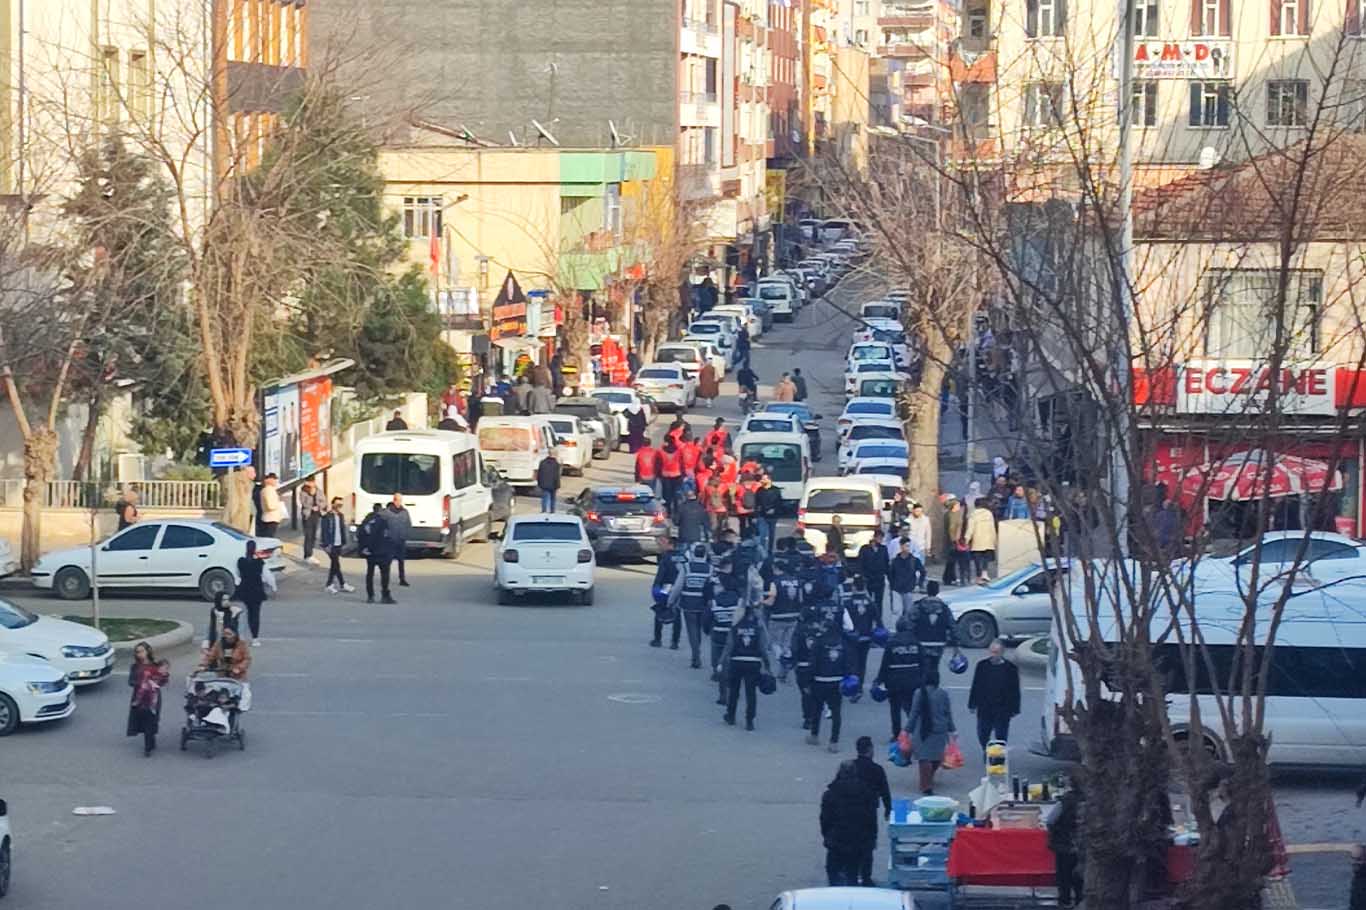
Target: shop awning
x,y
1251,475
519,343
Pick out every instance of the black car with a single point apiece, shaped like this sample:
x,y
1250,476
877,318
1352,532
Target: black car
x,y
623,521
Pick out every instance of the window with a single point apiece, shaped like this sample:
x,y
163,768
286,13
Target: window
x,y
1287,103
842,501
710,145
862,8
139,86
1352,107
1209,104
107,86
421,216
1295,672
1290,17
977,23
1145,18
180,537
13,616
550,531
138,537
1242,312
400,472
861,36
1330,549
1045,18
1273,551
1144,103
465,469
1354,10
1043,104
1210,17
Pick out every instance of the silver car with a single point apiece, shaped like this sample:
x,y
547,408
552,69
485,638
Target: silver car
x,y
1017,605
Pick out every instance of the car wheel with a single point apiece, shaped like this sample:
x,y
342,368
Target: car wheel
x,y
215,582
6,863
976,629
504,597
586,598
9,715
71,583
1211,746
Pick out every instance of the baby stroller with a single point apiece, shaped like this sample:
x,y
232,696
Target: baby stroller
x,y
214,706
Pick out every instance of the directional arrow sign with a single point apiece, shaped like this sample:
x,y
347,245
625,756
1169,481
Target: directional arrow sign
x,y
229,458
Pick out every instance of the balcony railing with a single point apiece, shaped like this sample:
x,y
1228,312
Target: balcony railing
x,y
462,322
697,97
701,25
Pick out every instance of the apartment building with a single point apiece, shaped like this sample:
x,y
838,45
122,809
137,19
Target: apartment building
x,y
741,213
786,123
819,67
916,41
1213,79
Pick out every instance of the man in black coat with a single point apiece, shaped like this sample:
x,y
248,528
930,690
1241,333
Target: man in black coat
x,y
548,481
377,546
691,519
873,565
875,779
768,506
848,825
995,695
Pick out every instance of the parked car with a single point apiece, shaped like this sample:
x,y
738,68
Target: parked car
x,y
844,899
163,553
9,563
688,356
782,297
810,421
516,445
667,383
573,443
881,309
786,455
81,652
767,421
857,500
622,521
867,431
717,333
544,553
748,316
32,691
876,369
619,398
856,409
595,415
1325,557
1017,605
719,355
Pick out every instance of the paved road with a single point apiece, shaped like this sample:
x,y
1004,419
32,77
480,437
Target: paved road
x,y
449,752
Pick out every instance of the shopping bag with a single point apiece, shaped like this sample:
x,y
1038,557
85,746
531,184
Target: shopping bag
x,y
905,746
896,756
953,756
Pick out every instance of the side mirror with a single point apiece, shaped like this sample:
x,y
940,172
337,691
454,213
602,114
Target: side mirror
x,y
1020,590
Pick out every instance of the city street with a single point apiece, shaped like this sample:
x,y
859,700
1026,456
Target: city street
x,y
448,752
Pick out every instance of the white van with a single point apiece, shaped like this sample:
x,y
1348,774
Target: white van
x,y
881,309
443,481
787,456
781,297
856,499
1316,691
516,446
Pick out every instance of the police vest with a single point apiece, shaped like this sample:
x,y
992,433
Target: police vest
x,y
746,638
932,621
788,604
828,659
860,608
903,662
723,606
695,577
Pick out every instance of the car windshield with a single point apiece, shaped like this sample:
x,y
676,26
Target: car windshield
x,y
843,501
880,451
409,473
1014,578
614,397
774,292
676,355
584,411
870,407
658,374
783,459
230,531
546,530
800,411
704,328
881,366
563,427
505,439
874,431
13,616
870,352
889,493
879,388
889,337
768,425
881,311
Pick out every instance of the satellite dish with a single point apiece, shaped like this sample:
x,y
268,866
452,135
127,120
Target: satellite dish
x,y
545,133
1209,157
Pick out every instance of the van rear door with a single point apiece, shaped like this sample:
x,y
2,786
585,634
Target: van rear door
x,y
416,476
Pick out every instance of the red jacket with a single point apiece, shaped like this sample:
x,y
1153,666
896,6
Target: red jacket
x,y
730,472
716,499
670,463
676,434
738,495
716,439
647,463
704,476
691,453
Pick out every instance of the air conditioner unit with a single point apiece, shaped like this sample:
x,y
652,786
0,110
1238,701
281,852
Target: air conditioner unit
x,y
130,467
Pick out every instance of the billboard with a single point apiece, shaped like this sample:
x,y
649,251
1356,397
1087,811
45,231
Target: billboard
x,y
296,430
1198,58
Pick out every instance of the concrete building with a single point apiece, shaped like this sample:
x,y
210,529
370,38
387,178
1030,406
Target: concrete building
x,y
741,214
821,18
916,42
785,113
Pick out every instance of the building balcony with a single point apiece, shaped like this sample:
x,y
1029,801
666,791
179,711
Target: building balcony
x,y
978,69
462,322
918,23
699,38
906,51
698,109
699,181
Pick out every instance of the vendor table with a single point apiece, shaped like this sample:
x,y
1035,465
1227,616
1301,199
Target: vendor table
x,y
1019,857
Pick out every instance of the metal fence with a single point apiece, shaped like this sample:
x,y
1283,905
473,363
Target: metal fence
x,y
197,495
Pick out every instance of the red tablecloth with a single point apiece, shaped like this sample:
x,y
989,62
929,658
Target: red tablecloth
x,y
1020,858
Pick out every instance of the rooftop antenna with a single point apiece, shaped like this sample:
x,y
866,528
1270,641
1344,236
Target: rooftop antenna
x,y
616,137
545,133
513,138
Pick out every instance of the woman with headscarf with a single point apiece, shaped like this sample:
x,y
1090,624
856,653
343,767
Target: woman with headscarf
x,y
222,615
974,493
931,725
251,590
635,426
146,677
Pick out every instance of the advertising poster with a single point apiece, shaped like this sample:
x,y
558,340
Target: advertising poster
x,y
287,403
315,426
270,434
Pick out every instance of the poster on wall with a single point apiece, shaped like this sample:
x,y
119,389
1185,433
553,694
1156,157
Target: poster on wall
x,y
315,426
270,434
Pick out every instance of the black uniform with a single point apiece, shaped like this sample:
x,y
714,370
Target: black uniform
x,y
873,565
783,614
862,615
691,595
902,672
934,628
744,658
376,541
831,661
808,632
666,575
725,600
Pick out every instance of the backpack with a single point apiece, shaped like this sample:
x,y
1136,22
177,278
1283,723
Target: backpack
x,y
747,499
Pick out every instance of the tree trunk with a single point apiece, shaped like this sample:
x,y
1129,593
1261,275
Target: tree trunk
x,y
81,471
40,456
243,428
1233,857
923,432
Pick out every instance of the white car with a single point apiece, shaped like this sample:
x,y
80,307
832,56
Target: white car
x,y
720,359
546,552
1326,557
869,431
729,322
81,652
619,398
868,352
573,442
32,691
874,369
890,478
844,899
163,553
689,356
667,383
9,563
781,295
751,320
856,409
714,332
771,422
887,308
892,456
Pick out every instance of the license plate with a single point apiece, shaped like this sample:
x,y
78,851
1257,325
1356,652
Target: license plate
x,y
628,524
547,579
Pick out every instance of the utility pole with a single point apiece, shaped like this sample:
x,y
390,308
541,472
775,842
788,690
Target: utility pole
x,y
1122,270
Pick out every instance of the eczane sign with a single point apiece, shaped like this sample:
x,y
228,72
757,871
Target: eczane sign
x,y
1232,387
1198,58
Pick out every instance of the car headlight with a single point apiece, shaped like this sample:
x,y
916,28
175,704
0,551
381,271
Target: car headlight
x,y
47,688
80,651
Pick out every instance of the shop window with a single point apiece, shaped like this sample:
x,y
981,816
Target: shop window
x,y
1244,307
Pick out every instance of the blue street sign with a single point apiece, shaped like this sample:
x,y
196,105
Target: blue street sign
x,y
229,458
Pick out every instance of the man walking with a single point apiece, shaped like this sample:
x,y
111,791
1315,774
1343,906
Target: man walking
x,y
400,529
311,509
901,672
831,661
995,695
666,613
785,390
873,565
548,481
934,627
783,613
922,540
875,779
848,825
691,593
691,519
378,550
902,576
768,505
799,382
334,539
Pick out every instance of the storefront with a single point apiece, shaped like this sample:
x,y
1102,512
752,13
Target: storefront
x,y
1211,446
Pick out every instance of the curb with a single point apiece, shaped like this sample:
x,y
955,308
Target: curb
x,y
182,634
1026,656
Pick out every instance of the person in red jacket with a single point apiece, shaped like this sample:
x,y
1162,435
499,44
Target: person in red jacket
x,y
647,465
719,437
670,474
729,469
715,502
691,453
706,469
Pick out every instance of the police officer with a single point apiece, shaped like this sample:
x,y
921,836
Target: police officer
x,y
722,546
934,626
901,671
783,611
666,576
743,659
809,629
858,606
831,661
691,595
725,601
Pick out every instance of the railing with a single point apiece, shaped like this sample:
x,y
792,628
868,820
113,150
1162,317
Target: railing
x,y
197,495
701,25
687,97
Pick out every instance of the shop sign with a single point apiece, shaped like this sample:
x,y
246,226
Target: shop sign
x,y
1203,58
509,310
1234,387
